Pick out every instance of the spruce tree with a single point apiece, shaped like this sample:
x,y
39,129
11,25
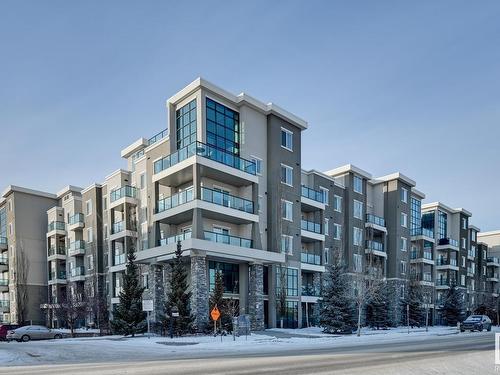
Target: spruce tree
x,y
217,299
453,309
377,310
128,317
414,298
178,296
337,307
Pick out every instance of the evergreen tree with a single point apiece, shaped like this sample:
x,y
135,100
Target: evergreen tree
x,y
178,296
377,310
337,307
128,317
415,299
453,309
217,299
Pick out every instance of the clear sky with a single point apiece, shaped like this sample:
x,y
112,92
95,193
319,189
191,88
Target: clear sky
x,y
410,86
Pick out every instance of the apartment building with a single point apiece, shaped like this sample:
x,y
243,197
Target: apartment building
x,y
23,259
489,269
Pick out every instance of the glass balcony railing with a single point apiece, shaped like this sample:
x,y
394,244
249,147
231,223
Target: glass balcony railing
x,y
374,219
310,226
422,232
4,304
78,271
206,151
448,241
118,227
157,137
4,282
442,282
226,200
374,245
125,191
315,195
493,260
56,225
175,200
4,259
3,240
120,259
310,291
76,219
57,275
56,250
76,247
227,239
310,258
418,255
427,277
445,262
174,239
492,276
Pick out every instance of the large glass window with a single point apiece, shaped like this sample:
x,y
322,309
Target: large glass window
x,y
3,223
358,184
185,124
291,280
286,175
442,224
415,215
428,220
230,275
357,235
358,209
287,210
223,127
286,139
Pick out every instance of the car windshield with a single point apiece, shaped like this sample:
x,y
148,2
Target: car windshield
x,y
474,318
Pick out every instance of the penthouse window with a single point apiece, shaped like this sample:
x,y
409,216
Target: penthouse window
x,y
442,224
185,124
358,184
223,127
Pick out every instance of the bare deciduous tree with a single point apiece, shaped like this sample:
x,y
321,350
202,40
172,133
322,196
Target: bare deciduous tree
x,y
71,308
367,288
21,270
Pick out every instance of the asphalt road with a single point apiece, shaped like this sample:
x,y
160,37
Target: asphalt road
x,y
455,354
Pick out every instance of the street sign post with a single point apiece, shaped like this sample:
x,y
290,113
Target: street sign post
x,y
147,305
215,315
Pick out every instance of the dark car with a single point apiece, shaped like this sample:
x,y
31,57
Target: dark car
x,y
476,323
4,328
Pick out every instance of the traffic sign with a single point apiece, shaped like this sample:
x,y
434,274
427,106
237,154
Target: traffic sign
x,y
147,305
215,314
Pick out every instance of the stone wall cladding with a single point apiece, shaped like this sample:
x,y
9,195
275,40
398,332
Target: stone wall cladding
x,y
199,290
256,297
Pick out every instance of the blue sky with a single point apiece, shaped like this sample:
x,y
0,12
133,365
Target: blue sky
x,y
387,85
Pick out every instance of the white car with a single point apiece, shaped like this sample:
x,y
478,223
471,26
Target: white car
x,y
33,332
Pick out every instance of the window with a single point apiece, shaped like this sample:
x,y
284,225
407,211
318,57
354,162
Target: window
x,y
416,216
185,124
90,262
337,203
464,223
324,194
88,207
357,235
90,235
291,279
258,164
223,127
462,280
484,270
404,220
464,243
358,209
403,267
104,203
463,261
404,195
11,229
442,224
327,227
358,184
230,275
286,175
105,230
357,260
337,231
327,256
145,281
473,236
287,139
286,244
287,210
403,244
143,180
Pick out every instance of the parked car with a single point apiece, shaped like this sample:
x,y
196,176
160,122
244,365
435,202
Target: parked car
x,y
4,328
476,323
33,332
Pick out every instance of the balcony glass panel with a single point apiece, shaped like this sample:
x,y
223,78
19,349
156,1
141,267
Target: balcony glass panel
x,y
315,195
56,225
374,245
175,200
118,227
374,219
76,219
310,258
78,271
125,191
175,239
227,239
59,250
310,226
226,200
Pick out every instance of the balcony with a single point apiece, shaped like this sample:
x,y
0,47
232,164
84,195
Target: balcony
x,y
470,272
312,200
76,222
4,260
443,264
174,239
120,259
4,304
58,227
227,200
76,248
493,262
310,226
3,243
227,239
421,257
376,220
492,277
208,152
447,243
125,194
4,282
375,248
78,273
425,233
57,277
311,231
118,227
175,200
310,258
157,137
442,283
56,250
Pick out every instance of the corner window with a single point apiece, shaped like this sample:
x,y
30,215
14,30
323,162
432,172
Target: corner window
x,y
358,184
286,175
286,139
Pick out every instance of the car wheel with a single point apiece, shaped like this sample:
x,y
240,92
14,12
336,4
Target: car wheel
x,y
58,336
462,330
25,338
489,329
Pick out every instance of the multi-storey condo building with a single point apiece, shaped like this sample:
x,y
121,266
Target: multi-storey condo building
x,y
489,268
225,179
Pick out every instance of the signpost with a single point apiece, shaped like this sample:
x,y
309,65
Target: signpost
x,y
174,313
147,305
215,315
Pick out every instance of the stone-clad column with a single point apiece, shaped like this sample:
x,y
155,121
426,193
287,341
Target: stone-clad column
x,y
316,307
158,288
256,297
199,290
